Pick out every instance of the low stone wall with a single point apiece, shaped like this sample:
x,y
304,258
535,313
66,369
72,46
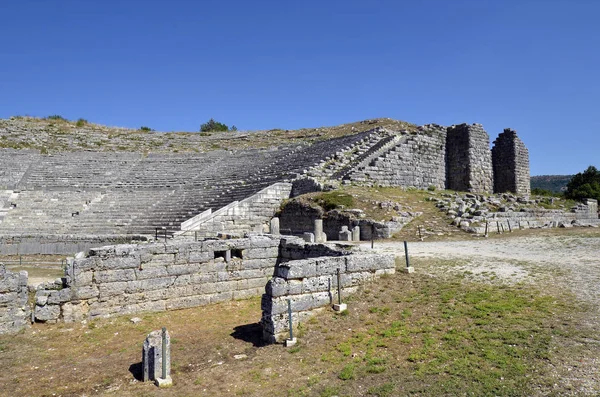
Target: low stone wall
x,y
15,313
311,284
126,279
58,244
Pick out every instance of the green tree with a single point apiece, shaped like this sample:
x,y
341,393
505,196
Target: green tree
x,y
213,126
584,185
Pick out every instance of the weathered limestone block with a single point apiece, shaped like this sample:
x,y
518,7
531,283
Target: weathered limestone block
x,y
296,269
260,253
49,313
75,311
274,226
308,237
110,276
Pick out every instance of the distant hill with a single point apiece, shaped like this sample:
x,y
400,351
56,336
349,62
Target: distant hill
x,y
554,183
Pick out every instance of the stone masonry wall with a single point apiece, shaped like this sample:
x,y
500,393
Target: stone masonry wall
x,y
418,160
126,279
510,160
15,313
469,159
311,284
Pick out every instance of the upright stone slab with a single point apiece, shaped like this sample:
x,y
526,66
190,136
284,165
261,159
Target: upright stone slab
x,y
510,159
345,234
356,233
468,159
152,356
275,226
318,230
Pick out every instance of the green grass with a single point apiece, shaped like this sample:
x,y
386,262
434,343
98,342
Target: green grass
x,y
456,337
334,200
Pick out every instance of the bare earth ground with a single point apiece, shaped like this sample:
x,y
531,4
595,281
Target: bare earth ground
x,y
469,321
555,261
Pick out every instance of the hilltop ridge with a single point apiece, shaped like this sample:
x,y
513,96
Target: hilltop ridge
x,y
52,135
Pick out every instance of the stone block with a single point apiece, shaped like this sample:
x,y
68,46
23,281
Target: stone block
x,y
149,272
297,269
75,311
111,276
47,313
260,253
60,296
112,289
308,237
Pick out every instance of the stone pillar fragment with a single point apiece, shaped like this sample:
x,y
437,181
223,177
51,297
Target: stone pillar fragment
x,y
152,356
318,230
356,233
275,226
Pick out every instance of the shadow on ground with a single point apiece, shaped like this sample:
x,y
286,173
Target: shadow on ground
x,y
136,371
251,333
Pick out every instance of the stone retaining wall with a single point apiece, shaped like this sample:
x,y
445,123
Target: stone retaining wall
x,y
15,313
311,284
418,160
127,279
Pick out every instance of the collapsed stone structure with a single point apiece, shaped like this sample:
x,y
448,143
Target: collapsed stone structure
x,y
476,213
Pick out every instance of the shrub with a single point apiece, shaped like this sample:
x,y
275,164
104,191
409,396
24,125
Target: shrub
x,y
145,129
81,122
56,117
212,125
584,185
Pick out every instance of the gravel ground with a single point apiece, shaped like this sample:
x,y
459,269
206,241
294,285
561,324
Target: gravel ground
x,y
561,262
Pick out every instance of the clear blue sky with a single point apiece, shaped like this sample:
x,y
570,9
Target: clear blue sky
x,y
530,65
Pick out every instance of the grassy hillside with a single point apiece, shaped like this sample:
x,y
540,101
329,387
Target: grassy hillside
x,y
55,134
553,183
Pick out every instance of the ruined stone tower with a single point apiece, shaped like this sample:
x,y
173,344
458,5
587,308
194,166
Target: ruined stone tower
x,y
510,159
468,159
